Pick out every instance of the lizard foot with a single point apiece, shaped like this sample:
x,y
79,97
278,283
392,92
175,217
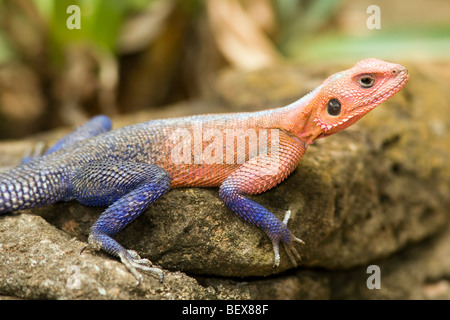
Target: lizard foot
x,y
291,251
133,261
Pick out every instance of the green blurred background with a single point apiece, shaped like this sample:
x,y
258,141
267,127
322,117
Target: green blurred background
x,y
146,54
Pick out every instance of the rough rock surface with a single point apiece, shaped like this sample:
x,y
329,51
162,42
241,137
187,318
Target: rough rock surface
x,y
376,193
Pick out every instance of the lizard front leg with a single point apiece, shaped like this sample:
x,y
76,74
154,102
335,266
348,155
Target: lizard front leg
x,y
258,175
128,188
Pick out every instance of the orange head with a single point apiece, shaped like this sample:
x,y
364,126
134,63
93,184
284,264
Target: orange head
x,y
347,96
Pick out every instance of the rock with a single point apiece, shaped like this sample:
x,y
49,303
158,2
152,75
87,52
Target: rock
x,y
38,261
361,197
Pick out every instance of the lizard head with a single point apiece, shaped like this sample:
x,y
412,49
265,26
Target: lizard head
x,y
347,96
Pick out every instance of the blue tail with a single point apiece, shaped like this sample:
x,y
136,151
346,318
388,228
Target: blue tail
x,y
28,186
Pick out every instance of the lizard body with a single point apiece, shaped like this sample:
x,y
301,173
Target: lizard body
x,y
129,168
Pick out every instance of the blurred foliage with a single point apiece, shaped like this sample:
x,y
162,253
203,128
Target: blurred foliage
x,y
140,54
300,22
100,21
402,44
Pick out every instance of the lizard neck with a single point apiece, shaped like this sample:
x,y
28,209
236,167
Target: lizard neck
x,y
297,117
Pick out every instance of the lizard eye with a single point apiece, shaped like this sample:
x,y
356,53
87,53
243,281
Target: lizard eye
x,y
366,81
334,107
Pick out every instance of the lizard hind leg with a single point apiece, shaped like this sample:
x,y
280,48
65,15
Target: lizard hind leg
x,y
95,126
128,188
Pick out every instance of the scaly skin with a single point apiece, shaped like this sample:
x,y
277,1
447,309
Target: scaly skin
x,y
129,168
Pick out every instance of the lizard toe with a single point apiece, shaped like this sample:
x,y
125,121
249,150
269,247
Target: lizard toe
x,y
292,253
133,261
290,249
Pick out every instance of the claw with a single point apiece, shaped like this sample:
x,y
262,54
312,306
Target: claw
x,y
294,238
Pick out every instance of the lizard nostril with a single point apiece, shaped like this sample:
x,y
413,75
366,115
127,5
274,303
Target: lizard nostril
x,y
398,70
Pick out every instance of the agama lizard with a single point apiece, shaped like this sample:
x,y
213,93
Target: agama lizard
x,y
129,168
